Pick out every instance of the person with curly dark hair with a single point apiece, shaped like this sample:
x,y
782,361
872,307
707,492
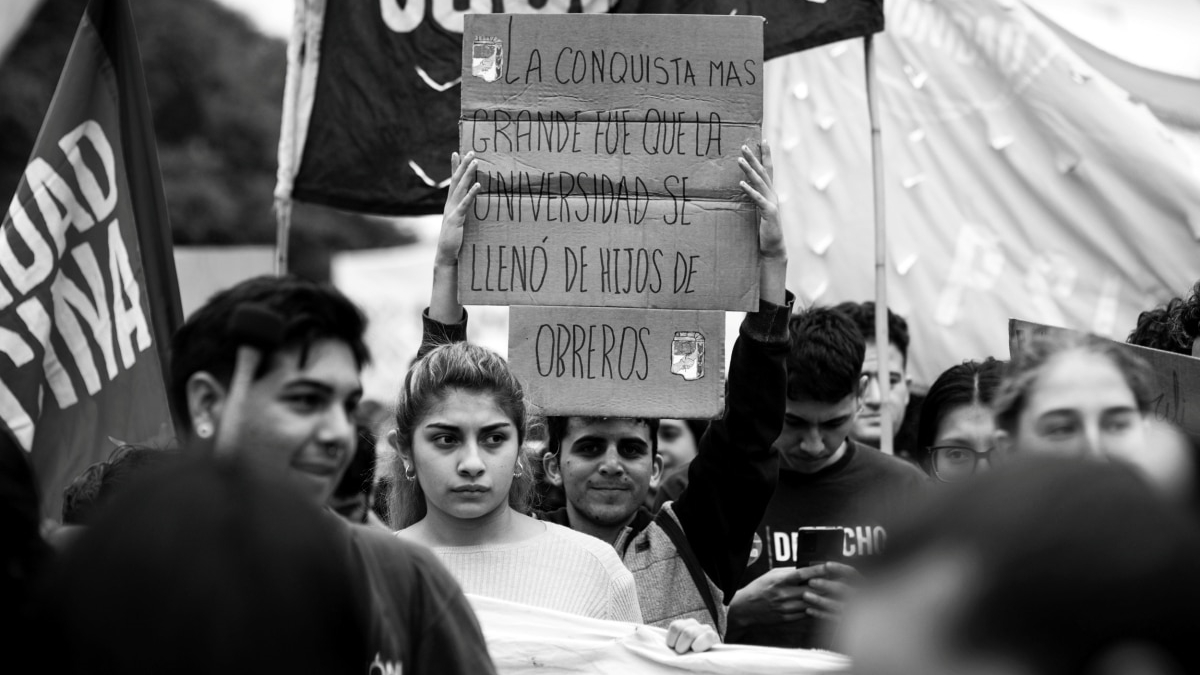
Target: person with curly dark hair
x,y
1160,328
1187,322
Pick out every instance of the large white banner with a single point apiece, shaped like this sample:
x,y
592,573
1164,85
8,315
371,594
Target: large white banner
x,y
1020,183
525,640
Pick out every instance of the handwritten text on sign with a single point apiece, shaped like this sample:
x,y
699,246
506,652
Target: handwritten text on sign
x,y
619,362
608,151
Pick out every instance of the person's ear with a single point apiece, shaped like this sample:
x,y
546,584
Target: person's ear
x,y
864,381
405,454
205,401
656,471
553,469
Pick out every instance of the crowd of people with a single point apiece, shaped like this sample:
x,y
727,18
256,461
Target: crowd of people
x,y
1035,517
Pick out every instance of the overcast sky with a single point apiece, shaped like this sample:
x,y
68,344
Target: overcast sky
x,y
273,17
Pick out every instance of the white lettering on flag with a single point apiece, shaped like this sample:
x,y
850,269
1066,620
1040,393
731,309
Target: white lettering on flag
x,y
95,313
26,277
37,320
404,17
14,415
102,204
127,318
76,307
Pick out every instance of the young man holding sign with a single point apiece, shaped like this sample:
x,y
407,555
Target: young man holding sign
x,y
688,559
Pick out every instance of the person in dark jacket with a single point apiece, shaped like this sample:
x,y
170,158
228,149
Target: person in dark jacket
x,y
688,559
206,566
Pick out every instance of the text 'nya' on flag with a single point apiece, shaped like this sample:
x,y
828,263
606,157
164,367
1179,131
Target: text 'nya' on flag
x,y
87,284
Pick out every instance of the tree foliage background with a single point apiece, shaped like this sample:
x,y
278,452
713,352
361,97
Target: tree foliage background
x,y
216,90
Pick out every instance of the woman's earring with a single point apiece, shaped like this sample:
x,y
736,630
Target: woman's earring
x,y
204,429
518,470
410,472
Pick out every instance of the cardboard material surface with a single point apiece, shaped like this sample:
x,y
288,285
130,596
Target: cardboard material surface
x,y
613,132
621,264
592,63
619,362
1176,377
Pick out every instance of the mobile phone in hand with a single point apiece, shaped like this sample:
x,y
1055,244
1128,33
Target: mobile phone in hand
x,y
817,545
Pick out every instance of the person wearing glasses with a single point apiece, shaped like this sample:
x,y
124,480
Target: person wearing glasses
x,y
956,434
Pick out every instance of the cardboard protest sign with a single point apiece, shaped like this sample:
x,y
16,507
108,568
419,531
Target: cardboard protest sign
x,y
619,362
608,150
88,296
1176,377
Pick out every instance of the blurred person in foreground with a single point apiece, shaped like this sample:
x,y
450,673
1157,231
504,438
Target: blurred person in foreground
x,y
23,552
1046,566
269,371
206,567
1087,396
97,485
956,434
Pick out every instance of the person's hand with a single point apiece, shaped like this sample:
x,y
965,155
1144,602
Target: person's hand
x,y
235,412
828,592
443,300
760,187
459,200
775,597
689,635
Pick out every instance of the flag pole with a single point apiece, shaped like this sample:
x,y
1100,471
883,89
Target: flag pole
x,y
887,424
291,128
283,226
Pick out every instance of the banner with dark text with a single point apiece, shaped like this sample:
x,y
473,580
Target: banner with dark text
x,y
370,120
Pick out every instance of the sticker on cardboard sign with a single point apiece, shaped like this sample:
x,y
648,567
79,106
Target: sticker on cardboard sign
x,y
687,354
487,58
